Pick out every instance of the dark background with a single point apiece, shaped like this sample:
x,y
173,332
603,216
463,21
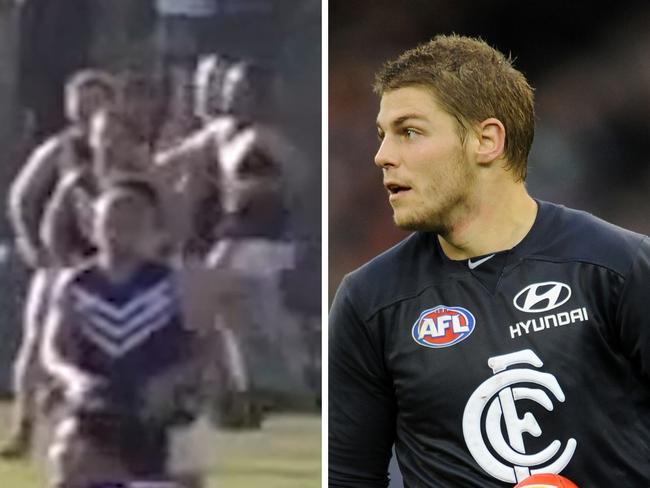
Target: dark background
x,y
588,61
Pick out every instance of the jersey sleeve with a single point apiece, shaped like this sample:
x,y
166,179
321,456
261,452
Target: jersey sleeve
x,y
362,406
633,319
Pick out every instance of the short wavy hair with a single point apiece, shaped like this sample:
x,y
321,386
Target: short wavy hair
x,y
472,82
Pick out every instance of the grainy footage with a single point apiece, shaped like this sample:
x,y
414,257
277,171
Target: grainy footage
x,y
161,252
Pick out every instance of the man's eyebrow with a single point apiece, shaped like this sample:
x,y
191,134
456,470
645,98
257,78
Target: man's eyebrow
x,y
401,119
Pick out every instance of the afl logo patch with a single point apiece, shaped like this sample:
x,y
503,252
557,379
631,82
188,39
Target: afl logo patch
x,y
443,326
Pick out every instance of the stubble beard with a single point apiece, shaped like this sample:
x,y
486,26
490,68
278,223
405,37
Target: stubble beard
x,y
440,216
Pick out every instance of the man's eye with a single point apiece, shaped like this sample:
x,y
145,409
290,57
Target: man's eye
x,y
409,133
380,136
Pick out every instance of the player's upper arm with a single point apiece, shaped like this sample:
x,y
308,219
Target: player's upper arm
x,y
362,407
59,222
181,169
633,319
172,163
35,179
31,189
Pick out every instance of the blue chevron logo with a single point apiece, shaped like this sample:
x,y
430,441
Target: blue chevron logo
x,y
119,328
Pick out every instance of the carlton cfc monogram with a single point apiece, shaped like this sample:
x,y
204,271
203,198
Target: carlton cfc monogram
x,y
498,395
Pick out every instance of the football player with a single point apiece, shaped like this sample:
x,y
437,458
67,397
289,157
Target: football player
x,y
62,154
119,345
507,336
234,170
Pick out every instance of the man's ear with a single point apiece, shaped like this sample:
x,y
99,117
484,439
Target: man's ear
x,y
491,135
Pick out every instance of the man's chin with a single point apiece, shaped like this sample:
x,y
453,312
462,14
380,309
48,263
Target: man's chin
x,y
413,223
408,225
408,222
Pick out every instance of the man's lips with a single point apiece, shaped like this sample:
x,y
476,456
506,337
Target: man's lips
x,y
396,188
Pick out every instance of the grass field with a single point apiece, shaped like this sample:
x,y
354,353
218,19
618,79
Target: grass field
x,y
286,453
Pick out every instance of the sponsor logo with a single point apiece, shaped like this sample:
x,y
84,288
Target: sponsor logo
x,y
494,429
443,326
542,297
476,264
539,324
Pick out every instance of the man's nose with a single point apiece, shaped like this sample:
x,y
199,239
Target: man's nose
x,y
387,154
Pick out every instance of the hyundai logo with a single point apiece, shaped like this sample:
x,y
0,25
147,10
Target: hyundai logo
x,y
542,297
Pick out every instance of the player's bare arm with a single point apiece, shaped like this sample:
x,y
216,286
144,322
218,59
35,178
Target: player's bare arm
x,y
28,194
56,345
60,221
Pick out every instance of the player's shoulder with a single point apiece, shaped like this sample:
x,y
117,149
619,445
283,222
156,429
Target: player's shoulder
x,y
579,235
394,275
66,279
223,126
50,148
59,141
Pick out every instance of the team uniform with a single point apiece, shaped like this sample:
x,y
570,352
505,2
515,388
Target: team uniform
x,y
230,177
125,335
485,371
253,244
31,193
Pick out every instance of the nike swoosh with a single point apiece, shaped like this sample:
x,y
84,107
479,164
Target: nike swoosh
x,y
476,264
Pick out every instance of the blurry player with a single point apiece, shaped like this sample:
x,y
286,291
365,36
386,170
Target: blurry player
x,y
194,165
141,102
64,153
232,99
255,236
86,93
231,177
118,151
255,241
117,335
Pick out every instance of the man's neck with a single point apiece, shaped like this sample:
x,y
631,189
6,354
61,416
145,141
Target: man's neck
x,y
497,221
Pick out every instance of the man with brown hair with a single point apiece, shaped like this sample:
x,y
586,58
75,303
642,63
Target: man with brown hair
x,y
485,324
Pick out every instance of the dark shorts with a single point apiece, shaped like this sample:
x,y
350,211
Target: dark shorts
x,y
87,452
141,447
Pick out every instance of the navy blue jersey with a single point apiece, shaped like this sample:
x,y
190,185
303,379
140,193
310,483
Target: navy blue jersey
x,y
126,333
485,371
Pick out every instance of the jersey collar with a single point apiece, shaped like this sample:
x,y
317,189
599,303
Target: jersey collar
x,y
489,267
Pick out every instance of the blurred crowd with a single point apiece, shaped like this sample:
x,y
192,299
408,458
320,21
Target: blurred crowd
x,y
591,73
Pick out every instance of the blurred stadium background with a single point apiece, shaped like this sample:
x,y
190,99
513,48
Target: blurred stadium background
x,y
118,35
588,61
